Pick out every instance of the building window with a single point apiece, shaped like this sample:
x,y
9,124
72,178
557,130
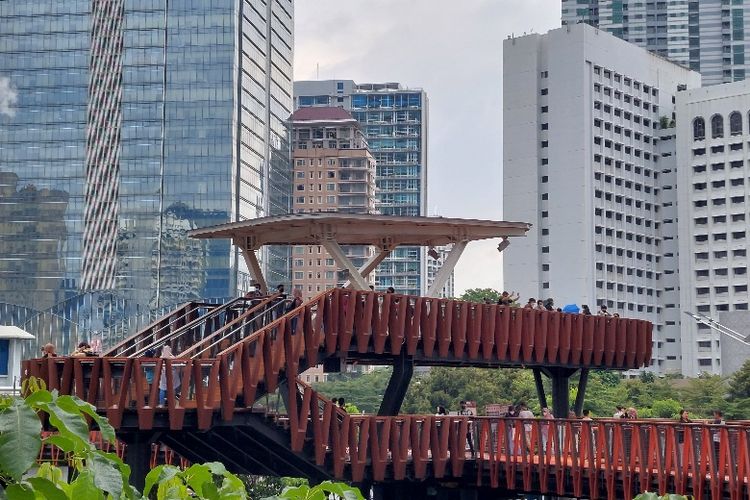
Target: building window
x,y
699,129
717,126
735,123
4,354
544,91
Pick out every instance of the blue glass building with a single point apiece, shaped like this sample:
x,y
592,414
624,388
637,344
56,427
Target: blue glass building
x,y
128,123
394,120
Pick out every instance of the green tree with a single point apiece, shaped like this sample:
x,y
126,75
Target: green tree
x,y
361,391
448,386
739,383
666,408
480,294
705,394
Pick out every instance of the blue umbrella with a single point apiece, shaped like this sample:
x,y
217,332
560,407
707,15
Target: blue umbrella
x,y
571,308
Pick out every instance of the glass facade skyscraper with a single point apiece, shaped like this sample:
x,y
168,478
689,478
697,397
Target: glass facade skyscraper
x,y
394,120
132,122
708,36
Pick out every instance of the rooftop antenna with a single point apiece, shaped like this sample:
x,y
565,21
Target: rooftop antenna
x,y
317,71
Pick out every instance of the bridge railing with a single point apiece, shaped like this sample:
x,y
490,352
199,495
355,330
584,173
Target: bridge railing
x,y
600,459
339,322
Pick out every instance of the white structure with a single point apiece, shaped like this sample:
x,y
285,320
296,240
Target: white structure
x,y
712,143
582,161
11,354
707,35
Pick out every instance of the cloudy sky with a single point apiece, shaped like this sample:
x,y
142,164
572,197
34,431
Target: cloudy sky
x,y
452,49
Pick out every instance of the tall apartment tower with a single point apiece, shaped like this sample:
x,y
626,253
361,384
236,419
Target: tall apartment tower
x,y
713,144
708,36
333,172
395,123
582,119
133,123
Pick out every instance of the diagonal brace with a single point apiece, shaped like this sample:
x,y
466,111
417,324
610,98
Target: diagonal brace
x,y
447,268
335,250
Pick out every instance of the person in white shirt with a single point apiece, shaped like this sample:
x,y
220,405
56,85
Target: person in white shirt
x,y
527,426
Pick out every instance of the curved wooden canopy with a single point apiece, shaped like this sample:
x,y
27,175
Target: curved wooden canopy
x,y
346,229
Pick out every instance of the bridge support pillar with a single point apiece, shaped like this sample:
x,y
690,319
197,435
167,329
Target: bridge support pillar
x,y
138,455
582,383
560,378
540,388
403,369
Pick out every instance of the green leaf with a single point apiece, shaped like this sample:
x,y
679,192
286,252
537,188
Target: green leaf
x,y
197,475
47,488
73,403
216,468
63,443
20,492
35,399
209,491
158,475
83,487
20,438
107,475
70,425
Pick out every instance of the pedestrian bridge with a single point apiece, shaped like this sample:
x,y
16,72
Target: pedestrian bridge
x,y
229,358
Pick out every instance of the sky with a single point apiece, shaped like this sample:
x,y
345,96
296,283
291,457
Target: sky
x,y
453,50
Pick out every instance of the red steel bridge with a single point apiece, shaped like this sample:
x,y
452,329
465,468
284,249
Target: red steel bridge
x,y
228,358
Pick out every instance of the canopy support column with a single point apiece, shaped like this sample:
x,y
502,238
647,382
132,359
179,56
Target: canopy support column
x,y
335,250
251,260
447,268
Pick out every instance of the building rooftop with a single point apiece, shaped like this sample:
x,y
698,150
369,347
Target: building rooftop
x,y
321,114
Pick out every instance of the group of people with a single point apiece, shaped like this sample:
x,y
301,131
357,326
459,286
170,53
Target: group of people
x,y
83,350
510,299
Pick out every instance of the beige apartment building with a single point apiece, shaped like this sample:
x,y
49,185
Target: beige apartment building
x,y
333,172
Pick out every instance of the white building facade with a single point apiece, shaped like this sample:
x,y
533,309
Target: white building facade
x,y
713,134
582,119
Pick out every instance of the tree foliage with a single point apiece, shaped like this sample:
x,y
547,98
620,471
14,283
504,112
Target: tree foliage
x,y
479,294
95,474
650,396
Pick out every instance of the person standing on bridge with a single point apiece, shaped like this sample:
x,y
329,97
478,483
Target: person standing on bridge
x,y
166,353
466,411
718,420
683,431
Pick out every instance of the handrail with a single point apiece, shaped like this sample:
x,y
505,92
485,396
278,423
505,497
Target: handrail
x,y
201,320
149,330
242,318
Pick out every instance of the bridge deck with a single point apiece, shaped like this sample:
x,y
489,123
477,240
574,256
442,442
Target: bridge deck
x,y
209,398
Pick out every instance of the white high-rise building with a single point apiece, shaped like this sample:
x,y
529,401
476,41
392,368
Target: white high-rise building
x,y
583,115
713,134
